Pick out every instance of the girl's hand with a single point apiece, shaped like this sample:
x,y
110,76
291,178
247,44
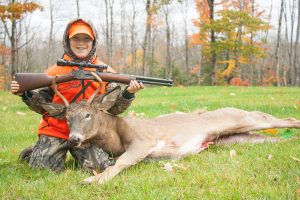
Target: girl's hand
x,y
135,86
14,87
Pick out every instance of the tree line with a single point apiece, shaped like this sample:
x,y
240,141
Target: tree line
x,y
229,42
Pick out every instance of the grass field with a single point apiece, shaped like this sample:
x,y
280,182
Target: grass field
x,y
261,171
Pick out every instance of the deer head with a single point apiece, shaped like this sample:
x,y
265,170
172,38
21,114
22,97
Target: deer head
x,y
83,117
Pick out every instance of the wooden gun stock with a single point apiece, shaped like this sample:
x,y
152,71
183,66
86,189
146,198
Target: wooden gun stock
x,y
31,81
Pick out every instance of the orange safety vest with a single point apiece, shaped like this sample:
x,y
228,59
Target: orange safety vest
x,y
58,127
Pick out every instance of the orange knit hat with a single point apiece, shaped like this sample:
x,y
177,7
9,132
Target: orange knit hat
x,y
80,26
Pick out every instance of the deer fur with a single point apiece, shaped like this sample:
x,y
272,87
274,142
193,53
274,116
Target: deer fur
x,y
133,139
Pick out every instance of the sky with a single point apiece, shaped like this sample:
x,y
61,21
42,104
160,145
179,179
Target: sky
x,y
65,10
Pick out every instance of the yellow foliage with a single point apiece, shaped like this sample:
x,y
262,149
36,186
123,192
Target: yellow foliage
x,y
243,60
139,58
229,69
231,65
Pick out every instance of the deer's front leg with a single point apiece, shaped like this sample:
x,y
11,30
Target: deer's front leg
x,y
136,152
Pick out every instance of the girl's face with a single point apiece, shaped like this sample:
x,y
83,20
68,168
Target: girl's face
x,y
81,45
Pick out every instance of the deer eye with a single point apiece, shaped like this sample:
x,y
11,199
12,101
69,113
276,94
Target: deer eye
x,y
87,115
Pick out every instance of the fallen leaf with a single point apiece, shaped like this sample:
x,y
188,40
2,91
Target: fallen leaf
x,y
287,134
20,113
271,131
270,156
172,167
133,113
168,167
294,158
232,153
173,106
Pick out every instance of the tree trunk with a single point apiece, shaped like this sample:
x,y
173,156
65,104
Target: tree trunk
x,y
50,41
133,36
186,38
123,35
289,73
107,30
111,8
238,41
296,78
168,70
212,40
147,37
278,44
77,6
263,66
251,43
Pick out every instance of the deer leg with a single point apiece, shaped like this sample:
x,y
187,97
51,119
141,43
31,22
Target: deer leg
x,y
265,121
136,152
234,121
243,138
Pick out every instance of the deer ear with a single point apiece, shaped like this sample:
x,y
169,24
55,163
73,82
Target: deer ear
x,y
107,100
55,110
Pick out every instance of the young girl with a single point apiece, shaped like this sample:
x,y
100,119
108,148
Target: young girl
x,y
79,42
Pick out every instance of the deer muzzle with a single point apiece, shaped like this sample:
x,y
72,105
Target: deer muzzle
x,y
74,140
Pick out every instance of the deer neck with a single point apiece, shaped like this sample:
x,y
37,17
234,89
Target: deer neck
x,y
124,131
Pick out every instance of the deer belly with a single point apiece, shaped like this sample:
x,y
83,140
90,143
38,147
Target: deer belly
x,y
177,147
192,145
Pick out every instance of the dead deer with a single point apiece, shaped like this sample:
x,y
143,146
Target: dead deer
x,y
132,139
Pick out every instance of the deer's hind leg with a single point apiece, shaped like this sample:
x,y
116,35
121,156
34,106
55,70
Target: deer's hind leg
x,y
243,138
260,120
232,121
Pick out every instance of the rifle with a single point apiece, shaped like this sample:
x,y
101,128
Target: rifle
x,y
31,81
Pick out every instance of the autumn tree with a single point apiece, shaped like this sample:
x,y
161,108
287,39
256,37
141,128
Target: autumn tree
x,y
235,30
11,15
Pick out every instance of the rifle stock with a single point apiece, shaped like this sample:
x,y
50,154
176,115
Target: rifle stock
x,y
31,81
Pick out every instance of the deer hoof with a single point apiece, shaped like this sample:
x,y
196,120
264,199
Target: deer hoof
x,y
90,180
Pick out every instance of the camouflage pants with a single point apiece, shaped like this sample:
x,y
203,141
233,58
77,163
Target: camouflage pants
x,y
50,152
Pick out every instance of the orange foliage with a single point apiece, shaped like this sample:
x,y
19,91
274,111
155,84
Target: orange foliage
x,y
15,11
271,78
203,9
3,78
4,50
238,82
195,69
204,18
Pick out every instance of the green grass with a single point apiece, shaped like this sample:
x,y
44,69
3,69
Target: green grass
x,y
212,174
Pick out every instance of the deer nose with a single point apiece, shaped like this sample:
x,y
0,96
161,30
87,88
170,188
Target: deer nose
x,y
73,141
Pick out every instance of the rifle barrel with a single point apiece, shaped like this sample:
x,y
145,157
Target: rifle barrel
x,y
31,81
